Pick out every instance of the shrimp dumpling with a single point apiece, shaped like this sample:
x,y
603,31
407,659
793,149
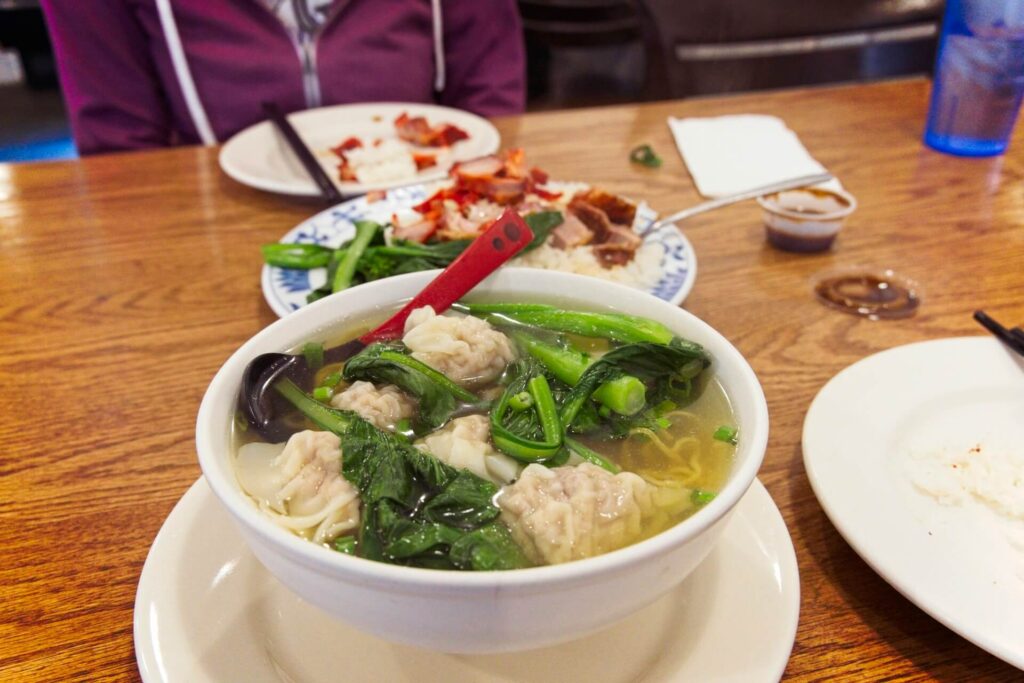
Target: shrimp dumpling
x,y
570,513
464,443
299,484
466,349
382,406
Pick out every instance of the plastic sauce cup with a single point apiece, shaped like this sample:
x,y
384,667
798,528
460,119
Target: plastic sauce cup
x,y
807,219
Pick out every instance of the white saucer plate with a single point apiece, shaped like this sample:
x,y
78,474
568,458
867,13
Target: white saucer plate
x,y
207,612
285,289
864,438
260,158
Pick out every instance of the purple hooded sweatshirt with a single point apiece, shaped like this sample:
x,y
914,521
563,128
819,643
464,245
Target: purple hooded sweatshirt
x,y
150,73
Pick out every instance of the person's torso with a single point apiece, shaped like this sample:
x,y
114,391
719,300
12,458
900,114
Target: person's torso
x,y
240,54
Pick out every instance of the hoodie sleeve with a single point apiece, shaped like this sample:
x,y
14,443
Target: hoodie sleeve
x,y
485,63
111,88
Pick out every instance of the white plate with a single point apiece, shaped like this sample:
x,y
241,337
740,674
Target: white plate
x,y
259,157
207,612
285,289
963,564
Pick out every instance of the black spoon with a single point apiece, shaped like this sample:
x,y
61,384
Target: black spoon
x,y
505,238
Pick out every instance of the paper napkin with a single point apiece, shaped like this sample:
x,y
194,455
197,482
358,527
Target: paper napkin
x,y
730,154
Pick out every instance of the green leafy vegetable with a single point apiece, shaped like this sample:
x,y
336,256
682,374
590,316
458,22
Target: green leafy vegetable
x,y
379,260
419,511
645,156
541,224
407,257
658,365
438,396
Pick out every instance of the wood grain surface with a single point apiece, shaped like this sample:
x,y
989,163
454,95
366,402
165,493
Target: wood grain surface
x,y
127,280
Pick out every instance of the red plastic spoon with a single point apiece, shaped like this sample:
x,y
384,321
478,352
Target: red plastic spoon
x,y
504,239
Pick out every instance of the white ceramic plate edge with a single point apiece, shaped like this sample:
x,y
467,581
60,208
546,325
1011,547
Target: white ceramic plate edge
x,y
353,207
487,136
862,546
757,510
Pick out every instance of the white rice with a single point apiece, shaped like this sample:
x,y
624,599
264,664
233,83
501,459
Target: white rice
x,y
642,272
388,162
990,474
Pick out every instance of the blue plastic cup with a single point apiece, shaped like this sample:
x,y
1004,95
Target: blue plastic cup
x,y
979,77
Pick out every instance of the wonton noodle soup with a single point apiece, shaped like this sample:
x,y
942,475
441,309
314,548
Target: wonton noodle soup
x,y
481,611
499,436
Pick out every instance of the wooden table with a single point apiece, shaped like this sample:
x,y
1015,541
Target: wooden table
x,y
127,280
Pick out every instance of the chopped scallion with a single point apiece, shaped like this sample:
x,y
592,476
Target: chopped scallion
x,y
313,352
345,544
521,401
645,156
700,497
332,380
664,407
727,434
323,394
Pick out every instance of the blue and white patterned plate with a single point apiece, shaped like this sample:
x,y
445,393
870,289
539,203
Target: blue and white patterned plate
x,y
285,289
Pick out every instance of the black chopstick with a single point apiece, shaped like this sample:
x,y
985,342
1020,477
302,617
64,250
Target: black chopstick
x,y
328,190
1014,338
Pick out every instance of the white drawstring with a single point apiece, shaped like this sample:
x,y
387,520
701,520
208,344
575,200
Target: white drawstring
x,y
438,46
181,70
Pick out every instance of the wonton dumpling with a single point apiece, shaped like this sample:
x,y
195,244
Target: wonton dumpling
x,y
464,443
466,349
569,513
382,406
300,485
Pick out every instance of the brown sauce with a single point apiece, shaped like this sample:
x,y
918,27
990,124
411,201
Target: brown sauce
x,y
875,295
788,241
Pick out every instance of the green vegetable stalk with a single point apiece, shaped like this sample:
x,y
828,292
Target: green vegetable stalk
x,y
591,456
300,256
625,395
331,419
661,365
524,434
627,329
365,232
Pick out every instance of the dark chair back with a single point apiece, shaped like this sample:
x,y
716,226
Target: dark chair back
x,y
697,47
581,52
579,23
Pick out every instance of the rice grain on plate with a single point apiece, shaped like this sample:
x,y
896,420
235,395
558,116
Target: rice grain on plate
x,y
389,161
643,271
989,473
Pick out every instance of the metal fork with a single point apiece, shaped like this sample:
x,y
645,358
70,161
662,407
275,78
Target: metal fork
x,y
791,184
